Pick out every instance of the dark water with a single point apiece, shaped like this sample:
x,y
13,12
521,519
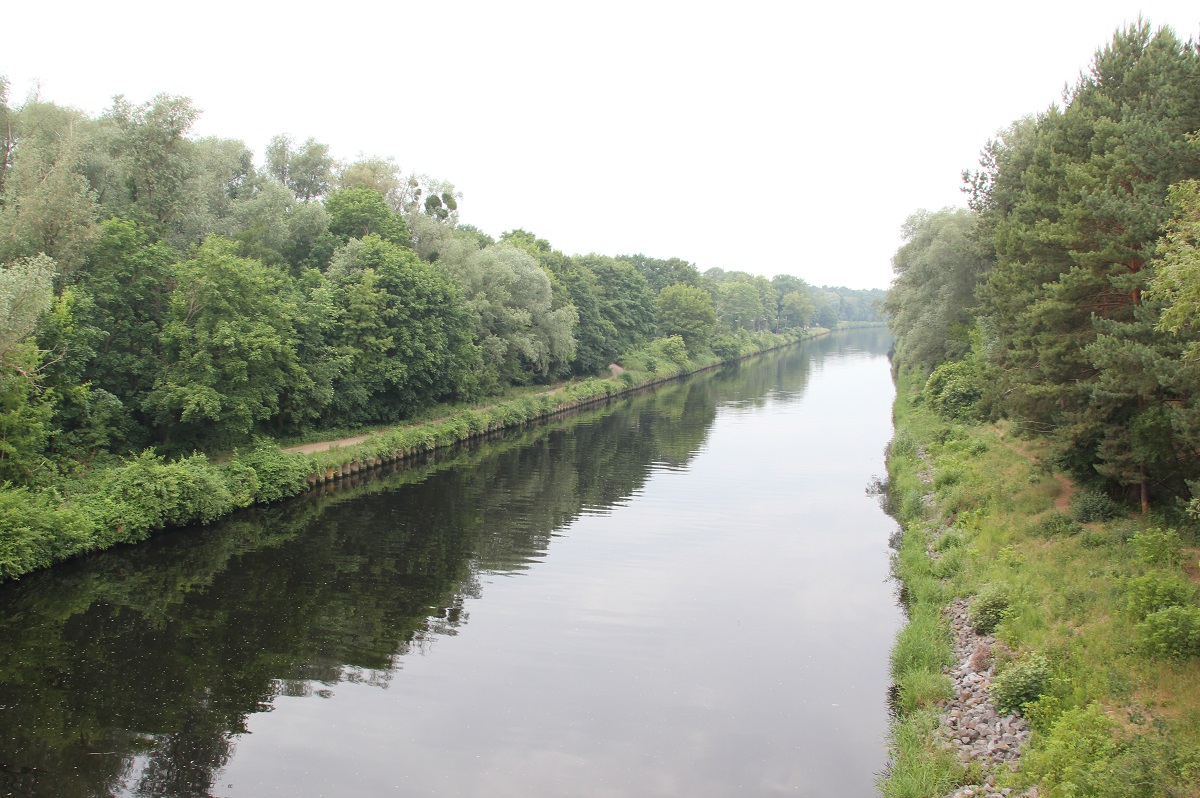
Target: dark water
x,y
684,594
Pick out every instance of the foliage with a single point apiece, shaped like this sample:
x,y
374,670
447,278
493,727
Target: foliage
x,y
1058,525
402,333
1156,591
229,348
1173,631
25,295
937,271
953,389
1156,546
687,311
1078,752
35,531
1088,506
988,607
516,326
270,474
1021,682
1176,280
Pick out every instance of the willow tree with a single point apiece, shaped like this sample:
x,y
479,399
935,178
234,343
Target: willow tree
x,y
932,296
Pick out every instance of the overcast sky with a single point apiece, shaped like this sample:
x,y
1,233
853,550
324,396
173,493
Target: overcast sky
x,y
765,137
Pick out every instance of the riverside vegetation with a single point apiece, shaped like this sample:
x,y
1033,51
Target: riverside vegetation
x,y
1096,624
172,312
1045,467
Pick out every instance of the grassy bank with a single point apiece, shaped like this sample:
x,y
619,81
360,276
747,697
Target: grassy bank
x,y
128,501
1098,617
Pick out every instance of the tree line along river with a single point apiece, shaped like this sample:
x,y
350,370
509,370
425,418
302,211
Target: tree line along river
x,y
683,593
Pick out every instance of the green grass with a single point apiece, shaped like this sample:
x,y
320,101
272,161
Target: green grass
x,y
1109,607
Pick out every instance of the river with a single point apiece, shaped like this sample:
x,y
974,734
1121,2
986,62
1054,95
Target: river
x,y
685,593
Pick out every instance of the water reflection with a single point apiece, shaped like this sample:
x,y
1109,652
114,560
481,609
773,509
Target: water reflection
x,y
138,671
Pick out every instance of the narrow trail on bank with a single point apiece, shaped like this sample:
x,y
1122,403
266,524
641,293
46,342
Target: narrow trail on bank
x,y
1066,487
322,446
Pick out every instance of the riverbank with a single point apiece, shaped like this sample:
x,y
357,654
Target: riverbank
x,y
1047,653
129,501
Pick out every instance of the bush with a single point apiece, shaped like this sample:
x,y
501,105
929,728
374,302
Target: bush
x,y
35,531
671,348
149,493
948,540
949,564
1021,683
953,389
726,346
1093,505
1078,750
279,474
1155,591
1171,632
1158,547
1057,525
987,609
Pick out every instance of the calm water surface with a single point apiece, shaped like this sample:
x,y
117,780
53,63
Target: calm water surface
x,y
684,594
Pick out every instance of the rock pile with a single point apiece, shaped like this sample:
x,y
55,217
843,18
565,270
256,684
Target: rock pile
x,y
974,729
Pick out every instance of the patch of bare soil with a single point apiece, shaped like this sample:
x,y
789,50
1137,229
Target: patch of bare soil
x,y
322,446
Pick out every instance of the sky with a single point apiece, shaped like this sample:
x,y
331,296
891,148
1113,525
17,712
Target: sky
x,y
767,137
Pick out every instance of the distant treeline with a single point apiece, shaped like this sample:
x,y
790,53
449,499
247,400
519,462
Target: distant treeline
x,y
163,291
1065,297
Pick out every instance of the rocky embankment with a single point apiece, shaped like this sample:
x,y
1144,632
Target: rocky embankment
x,y
973,727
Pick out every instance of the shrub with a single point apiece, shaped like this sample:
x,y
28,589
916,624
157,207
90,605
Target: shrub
x,y
1078,750
949,564
149,493
1021,683
1093,505
1043,713
279,474
35,531
987,609
1057,525
953,389
1157,546
1171,632
726,346
671,348
1156,591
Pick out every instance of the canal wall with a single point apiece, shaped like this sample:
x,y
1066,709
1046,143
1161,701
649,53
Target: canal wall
x,y
404,443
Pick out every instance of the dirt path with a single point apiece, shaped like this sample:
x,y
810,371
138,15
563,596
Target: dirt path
x,y
1066,488
1062,502
322,446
